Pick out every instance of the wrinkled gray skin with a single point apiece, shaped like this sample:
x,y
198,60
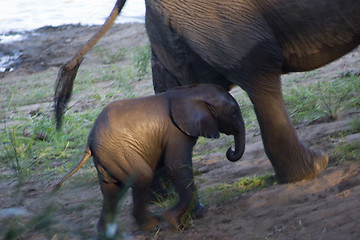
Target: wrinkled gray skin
x,y
249,43
132,139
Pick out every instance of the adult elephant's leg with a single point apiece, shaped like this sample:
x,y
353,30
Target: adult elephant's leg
x,y
291,160
187,73
163,80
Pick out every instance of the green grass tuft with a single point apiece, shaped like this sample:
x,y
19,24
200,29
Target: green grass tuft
x,y
109,56
222,192
141,60
315,100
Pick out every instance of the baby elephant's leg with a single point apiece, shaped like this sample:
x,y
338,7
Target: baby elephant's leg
x,y
159,184
112,192
179,164
143,217
184,186
140,192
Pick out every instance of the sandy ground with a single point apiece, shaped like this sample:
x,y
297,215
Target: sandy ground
x,y
327,207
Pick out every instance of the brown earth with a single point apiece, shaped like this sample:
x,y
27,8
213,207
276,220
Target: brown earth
x,y
327,207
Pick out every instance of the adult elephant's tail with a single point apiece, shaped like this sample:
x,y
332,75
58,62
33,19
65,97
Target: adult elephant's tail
x,y
67,72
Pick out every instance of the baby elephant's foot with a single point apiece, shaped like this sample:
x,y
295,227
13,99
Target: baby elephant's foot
x,y
109,232
176,219
147,222
173,218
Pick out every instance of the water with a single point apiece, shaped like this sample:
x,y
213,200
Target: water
x,y
23,15
17,16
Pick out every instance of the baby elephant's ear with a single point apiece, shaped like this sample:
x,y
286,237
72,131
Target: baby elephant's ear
x,y
193,117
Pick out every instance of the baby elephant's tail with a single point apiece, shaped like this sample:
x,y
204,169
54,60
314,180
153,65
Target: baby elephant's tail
x,y
86,156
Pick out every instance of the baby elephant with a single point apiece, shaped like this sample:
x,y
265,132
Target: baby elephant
x,y
133,138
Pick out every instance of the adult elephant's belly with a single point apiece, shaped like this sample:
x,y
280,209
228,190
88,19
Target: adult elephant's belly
x,y
233,40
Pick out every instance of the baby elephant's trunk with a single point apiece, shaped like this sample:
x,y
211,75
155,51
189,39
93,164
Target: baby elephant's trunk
x,y
86,156
239,138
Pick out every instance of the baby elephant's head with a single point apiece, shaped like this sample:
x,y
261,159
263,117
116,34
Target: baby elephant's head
x,y
206,110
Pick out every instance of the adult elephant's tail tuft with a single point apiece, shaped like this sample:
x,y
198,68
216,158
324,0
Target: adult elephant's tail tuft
x,y
63,89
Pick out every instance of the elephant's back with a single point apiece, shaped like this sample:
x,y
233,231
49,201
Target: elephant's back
x,y
129,129
131,113
313,33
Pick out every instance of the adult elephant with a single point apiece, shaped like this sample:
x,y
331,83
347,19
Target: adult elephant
x,y
249,43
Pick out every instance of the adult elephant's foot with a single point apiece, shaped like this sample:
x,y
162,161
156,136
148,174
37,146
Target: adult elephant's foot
x,y
291,160
303,167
